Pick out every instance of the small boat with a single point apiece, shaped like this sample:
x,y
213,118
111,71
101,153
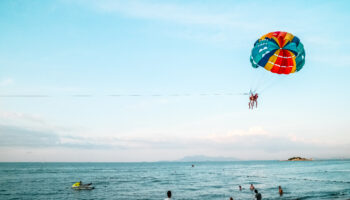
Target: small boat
x,y
83,187
78,186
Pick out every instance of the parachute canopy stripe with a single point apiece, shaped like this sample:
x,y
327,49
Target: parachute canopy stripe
x,y
278,52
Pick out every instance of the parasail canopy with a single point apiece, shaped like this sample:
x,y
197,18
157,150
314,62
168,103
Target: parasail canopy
x,y
278,52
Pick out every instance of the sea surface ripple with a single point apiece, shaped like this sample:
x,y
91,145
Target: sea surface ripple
x,y
325,179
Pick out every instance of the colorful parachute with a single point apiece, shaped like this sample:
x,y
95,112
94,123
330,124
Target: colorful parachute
x,y
278,52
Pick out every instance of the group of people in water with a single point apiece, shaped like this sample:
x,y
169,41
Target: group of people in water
x,y
79,185
258,196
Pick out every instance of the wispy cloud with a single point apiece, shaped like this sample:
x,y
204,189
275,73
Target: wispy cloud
x,y
244,144
16,136
326,49
188,14
197,21
6,82
18,117
239,24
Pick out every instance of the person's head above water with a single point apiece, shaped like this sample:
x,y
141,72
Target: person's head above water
x,y
256,191
169,194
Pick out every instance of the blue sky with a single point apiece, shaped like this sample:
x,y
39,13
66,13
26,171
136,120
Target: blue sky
x,y
100,48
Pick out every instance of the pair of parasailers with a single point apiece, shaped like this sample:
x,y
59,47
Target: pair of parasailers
x,y
253,100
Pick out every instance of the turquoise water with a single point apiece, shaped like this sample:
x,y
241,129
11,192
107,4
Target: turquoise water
x,y
207,180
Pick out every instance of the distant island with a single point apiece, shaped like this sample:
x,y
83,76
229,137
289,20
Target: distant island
x,y
299,159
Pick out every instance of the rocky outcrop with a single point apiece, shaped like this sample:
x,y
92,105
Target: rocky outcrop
x,y
299,159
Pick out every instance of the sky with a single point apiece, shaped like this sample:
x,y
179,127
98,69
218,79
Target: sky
x,y
134,81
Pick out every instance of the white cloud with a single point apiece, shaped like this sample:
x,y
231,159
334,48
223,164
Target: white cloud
x,y
198,21
27,121
235,135
252,143
327,50
17,116
238,24
6,82
331,59
26,131
167,12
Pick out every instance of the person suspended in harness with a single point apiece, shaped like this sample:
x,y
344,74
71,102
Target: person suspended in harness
x,y
253,100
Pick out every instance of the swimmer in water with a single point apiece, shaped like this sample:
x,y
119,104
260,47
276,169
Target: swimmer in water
x,y
252,187
257,195
280,191
169,195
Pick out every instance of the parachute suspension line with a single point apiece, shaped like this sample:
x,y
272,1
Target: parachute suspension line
x,y
281,78
255,80
271,80
260,78
263,80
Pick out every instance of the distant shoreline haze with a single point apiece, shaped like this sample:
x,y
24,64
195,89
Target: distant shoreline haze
x,y
203,158
189,159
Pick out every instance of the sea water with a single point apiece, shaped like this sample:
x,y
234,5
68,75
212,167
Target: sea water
x,y
206,180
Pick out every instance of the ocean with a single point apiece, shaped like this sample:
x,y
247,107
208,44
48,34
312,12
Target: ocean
x,y
206,180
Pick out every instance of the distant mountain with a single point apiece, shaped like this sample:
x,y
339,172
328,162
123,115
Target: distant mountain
x,y
202,158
